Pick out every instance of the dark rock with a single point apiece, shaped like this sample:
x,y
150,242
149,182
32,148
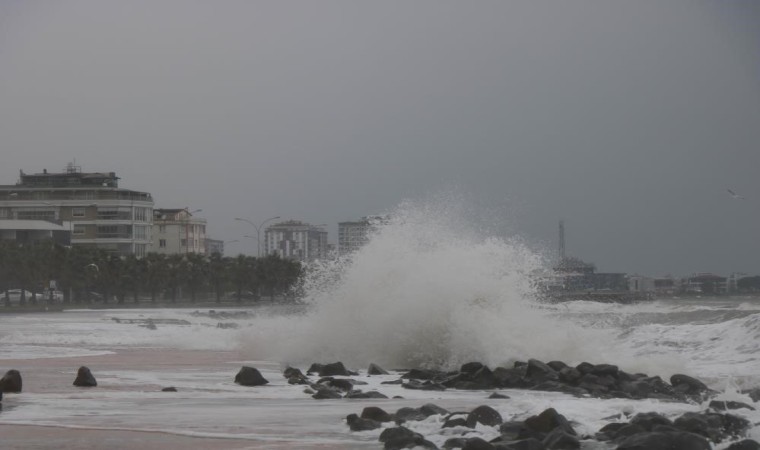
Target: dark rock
x,y
665,441
431,409
539,371
169,389
85,378
509,378
370,394
602,370
485,415
650,419
291,372
324,393
722,405
510,430
570,375
630,429
374,369
395,433
427,385
11,381
753,393
415,441
250,376
457,442
399,438
477,443
584,368
455,422
423,374
315,368
687,384
497,395
357,423
747,444
524,444
547,421
556,365
333,369
471,367
409,414
399,381
707,425
559,439
341,384
376,413
556,386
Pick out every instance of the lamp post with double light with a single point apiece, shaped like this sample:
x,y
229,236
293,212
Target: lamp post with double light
x,y
258,231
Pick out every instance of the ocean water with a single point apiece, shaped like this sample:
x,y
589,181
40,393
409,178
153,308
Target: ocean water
x,y
427,291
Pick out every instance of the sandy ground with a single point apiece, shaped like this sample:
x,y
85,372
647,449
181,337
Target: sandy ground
x,y
56,375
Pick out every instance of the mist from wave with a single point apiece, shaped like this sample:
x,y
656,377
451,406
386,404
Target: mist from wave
x,y
430,289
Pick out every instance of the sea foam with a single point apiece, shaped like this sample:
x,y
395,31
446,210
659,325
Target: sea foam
x,y
428,290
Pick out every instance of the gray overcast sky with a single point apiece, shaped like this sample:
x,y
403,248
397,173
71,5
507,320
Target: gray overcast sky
x,y
629,119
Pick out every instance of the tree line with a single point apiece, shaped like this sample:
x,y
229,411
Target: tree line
x,y
89,274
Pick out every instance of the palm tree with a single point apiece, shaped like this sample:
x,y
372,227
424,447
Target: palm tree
x,y
217,274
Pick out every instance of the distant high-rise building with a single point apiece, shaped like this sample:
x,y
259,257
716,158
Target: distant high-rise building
x,y
296,240
354,235
90,205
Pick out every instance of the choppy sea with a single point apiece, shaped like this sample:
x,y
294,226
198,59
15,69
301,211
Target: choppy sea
x,y
427,291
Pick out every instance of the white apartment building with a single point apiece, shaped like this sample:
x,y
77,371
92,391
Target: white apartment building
x,y
353,235
296,240
91,206
177,231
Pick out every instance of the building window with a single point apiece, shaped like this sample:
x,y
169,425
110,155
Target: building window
x,y
140,214
77,212
36,215
162,229
139,250
78,229
183,243
162,243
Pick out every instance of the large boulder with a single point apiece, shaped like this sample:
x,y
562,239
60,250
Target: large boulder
x,y
357,423
85,378
546,422
374,369
250,376
377,414
672,440
485,415
10,382
333,369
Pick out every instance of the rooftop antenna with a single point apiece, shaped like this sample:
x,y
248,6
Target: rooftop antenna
x,y
561,240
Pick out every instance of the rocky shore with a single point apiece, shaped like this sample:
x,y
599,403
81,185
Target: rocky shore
x,y
549,429
711,422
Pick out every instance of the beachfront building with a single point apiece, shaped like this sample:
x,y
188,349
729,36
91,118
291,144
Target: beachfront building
x,y
354,235
214,246
296,240
177,231
91,205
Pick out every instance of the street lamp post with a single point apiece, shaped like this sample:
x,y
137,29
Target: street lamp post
x,y
258,231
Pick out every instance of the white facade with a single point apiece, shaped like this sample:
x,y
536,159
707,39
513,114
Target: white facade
x,y
176,231
97,212
296,240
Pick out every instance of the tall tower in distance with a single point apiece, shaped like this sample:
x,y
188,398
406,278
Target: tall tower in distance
x,y
561,241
